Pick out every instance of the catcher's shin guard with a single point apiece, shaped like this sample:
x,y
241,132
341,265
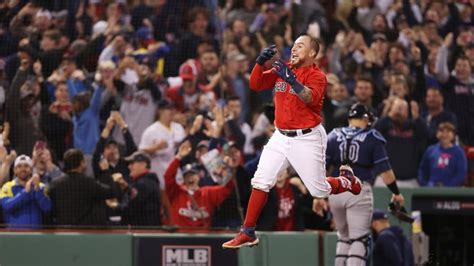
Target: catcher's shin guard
x,y
360,250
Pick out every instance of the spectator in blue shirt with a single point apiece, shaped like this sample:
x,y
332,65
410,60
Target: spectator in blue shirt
x,y
86,123
24,199
444,163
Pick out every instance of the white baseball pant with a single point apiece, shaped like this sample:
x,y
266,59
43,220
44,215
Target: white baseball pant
x,y
306,153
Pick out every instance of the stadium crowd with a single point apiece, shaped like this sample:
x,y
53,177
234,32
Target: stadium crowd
x,y
140,112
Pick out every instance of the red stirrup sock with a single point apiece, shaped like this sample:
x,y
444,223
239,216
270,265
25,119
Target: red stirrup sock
x,y
257,201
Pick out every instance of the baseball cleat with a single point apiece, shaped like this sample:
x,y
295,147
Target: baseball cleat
x,y
354,184
241,240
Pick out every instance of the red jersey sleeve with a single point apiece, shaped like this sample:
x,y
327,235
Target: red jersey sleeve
x,y
316,82
171,187
217,194
261,79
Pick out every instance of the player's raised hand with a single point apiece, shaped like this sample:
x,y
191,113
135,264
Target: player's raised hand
x,y
266,54
283,71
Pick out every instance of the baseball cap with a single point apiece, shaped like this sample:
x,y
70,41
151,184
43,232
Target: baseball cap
x,y
60,14
236,56
379,36
358,110
26,89
189,169
23,159
203,143
379,215
44,13
99,27
186,72
144,34
138,156
165,104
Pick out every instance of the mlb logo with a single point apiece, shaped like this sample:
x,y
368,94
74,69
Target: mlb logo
x,y
186,255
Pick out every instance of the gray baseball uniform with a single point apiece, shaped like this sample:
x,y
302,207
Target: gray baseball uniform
x,y
364,150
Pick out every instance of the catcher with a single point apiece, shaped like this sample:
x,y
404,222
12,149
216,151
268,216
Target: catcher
x,y
363,148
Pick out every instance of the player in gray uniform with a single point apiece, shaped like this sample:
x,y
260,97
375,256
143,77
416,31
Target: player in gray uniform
x,y
368,158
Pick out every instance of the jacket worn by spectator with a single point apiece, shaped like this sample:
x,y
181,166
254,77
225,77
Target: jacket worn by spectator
x,y
193,209
79,200
392,248
460,99
24,209
24,131
443,166
405,145
121,166
141,202
86,125
458,95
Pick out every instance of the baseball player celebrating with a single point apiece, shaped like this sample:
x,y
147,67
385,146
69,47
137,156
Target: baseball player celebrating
x,y
364,149
299,138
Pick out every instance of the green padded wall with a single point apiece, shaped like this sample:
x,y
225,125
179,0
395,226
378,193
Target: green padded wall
x,y
65,249
329,247
282,249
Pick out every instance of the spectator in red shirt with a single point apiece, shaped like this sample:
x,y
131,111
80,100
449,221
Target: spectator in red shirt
x,y
191,205
185,96
286,200
289,216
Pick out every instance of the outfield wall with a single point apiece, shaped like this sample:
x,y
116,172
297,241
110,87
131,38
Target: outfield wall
x,y
139,249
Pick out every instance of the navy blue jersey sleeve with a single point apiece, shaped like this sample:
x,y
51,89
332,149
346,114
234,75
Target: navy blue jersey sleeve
x,y
381,162
380,157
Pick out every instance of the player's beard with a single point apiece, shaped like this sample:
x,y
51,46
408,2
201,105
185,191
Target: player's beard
x,y
298,61
295,62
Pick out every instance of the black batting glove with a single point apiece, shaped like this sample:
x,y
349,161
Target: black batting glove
x,y
282,70
266,54
285,73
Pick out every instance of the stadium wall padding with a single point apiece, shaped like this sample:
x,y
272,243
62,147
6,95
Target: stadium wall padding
x,y
65,249
282,248
104,249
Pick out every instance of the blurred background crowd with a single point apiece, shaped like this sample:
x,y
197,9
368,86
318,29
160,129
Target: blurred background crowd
x,y
110,110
